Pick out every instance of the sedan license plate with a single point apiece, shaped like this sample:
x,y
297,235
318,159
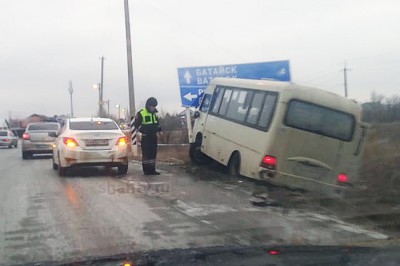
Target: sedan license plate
x,y
96,142
42,146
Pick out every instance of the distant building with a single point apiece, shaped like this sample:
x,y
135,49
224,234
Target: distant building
x,y
19,126
34,118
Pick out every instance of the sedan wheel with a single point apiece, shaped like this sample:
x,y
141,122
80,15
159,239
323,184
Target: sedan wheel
x,y
25,155
62,171
55,166
122,169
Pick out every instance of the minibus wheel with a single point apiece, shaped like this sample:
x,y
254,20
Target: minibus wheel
x,y
234,165
196,155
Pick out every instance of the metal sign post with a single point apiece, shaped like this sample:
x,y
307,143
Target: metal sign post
x,y
189,123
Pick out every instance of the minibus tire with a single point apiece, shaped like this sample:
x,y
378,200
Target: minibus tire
x,y
196,155
234,165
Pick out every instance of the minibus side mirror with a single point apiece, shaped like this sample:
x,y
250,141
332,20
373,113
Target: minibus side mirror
x,y
196,114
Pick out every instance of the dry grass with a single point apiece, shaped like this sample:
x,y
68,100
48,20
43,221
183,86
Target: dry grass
x,y
167,153
381,160
177,154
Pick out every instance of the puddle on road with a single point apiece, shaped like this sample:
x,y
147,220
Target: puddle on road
x,y
389,222
194,209
267,203
211,172
295,203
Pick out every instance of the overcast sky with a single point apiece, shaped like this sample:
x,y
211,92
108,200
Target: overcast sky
x,y
46,43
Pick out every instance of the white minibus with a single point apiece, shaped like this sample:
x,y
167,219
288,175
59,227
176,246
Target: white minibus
x,y
281,132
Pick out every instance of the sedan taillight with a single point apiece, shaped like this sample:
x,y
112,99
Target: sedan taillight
x,y
122,141
70,142
25,136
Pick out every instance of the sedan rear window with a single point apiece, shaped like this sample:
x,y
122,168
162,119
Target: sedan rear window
x,y
53,127
3,133
93,125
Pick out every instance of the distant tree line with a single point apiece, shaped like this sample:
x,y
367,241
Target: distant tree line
x,y
382,109
174,128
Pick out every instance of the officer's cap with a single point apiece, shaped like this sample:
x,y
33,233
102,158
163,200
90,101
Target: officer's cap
x,y
151,102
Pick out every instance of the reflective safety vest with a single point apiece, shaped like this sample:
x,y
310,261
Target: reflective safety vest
x,y
148,118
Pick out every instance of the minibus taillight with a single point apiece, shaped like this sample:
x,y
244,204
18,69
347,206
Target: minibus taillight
x,y
269,162
273,252
25,136
342,178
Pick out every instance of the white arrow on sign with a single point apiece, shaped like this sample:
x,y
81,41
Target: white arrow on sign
x,y
282,71
190,96
188,77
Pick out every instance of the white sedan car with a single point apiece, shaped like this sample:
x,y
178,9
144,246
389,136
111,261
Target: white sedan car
x,y
8,138
90,142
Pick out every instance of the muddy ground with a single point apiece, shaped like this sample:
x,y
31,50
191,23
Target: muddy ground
x,y
375,201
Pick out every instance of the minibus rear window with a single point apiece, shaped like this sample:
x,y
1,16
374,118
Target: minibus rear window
x,y
320,120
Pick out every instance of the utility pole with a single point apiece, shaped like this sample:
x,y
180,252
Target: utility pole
x,y
101,89
71,90
98,86
345,69
129,61
119,113
108,107
132,110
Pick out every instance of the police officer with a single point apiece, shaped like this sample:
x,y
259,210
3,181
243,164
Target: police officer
x,y
147,122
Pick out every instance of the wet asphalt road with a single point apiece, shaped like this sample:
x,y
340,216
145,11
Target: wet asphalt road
x,y
95,212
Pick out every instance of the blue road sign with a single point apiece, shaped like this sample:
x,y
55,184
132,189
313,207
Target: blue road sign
x,y
194,80
190,97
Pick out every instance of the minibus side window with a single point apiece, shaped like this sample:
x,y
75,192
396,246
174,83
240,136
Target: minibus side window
x,y
205,104
239,105
255,108
218,94
225,102
267,111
